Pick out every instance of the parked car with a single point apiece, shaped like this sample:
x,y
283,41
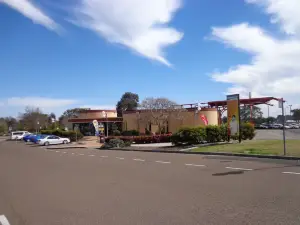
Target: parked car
x,y
35,138
294,126
276,126
53,140
287,127
26,138
18,135
262,126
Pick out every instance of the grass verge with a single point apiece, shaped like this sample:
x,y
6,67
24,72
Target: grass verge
x,y
257,147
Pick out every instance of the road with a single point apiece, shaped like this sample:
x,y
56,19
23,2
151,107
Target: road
x,y
80,186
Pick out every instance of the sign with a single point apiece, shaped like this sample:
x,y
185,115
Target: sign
x,y
233,114
204,119
96,125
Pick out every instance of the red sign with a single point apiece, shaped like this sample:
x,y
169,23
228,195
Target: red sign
x,y
204,119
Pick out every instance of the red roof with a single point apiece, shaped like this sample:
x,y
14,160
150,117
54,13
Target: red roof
x,y
247,101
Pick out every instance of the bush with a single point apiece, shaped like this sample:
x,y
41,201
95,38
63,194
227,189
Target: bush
x,y
116,143
247,131
67,134
116,133
189,136
130,133
213,133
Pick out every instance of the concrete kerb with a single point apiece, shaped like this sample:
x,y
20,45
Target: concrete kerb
x,y
209,153
65,147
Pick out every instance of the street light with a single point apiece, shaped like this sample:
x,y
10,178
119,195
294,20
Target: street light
x,y
104,114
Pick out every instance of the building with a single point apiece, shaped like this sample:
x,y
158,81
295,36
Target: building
x,y
169,120
84,121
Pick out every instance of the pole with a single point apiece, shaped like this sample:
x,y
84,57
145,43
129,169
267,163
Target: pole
x,y
290,110
283,129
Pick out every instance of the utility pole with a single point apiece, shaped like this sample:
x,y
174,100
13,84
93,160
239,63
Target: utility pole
x,y
281,105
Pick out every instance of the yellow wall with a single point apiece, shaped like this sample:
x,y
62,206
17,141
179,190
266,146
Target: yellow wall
x,y
191,118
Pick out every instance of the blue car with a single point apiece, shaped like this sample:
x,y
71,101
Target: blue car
x,y
27,137
35,138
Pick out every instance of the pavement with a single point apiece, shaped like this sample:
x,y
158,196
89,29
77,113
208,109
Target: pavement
x,y
85,186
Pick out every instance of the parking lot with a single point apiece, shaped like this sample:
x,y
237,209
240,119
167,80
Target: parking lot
x,y
276,134
85,186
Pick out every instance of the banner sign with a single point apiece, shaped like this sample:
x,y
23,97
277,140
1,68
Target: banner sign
x,y
204,119
96,125
233,114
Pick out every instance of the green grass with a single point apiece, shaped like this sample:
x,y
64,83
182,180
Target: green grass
x,y
261,147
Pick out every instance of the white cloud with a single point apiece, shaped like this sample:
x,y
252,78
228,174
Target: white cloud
x,y
140,25
39,102
28,9
274,68
98,107
284,12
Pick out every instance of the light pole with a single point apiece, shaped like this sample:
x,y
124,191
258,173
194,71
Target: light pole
x,y
37,127
290,109
104,114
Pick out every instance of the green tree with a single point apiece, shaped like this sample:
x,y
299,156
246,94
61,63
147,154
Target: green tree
x,y
128,101
245,113
296,114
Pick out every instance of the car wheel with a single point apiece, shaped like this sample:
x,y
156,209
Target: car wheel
x,y
65,142
46,143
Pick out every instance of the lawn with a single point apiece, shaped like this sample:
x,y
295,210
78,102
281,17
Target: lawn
x,y
262,147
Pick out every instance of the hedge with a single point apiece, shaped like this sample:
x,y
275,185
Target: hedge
x,y
130,133
67,134
143,139
210,134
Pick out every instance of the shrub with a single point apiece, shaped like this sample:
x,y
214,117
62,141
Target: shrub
x,y
224,132
247,131
213,133
130,133
116,133
189,136
114,143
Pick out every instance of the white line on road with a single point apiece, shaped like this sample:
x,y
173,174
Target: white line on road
x,y
3,220
291,173
57,151
234,168
73,153
64,152
91,155
81,154
194,165
119,158
162,162
104,156
142,160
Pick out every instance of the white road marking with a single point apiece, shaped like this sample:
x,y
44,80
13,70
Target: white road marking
x,y
81,154
142,160
57,151
291,173
194,165
162,162
104,156
119,158
73,153
91,155
234,168
3,220
64,152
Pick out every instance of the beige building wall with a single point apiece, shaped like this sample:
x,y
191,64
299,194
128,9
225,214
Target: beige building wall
x,y
96,114
190,118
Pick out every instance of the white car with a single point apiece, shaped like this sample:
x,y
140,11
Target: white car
x,y
18,135
53,140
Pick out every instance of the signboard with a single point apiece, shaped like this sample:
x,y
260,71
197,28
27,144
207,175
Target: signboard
x,y
204,119
96,125
233,115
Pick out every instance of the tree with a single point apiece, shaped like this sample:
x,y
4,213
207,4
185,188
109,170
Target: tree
x,y
32,119
245,113
296,114
128,101
11,122
160,110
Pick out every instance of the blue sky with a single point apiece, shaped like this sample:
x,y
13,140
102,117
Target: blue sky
x,y
57,55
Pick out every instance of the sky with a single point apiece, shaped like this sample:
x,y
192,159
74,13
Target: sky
x,y
61,54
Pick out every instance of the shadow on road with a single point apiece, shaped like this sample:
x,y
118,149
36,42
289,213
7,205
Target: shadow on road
x,y
228,173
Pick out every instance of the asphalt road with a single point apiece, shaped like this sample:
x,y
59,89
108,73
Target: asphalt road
x,y
80,186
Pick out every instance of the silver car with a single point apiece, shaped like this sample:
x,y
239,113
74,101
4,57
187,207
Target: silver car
x,y
53,140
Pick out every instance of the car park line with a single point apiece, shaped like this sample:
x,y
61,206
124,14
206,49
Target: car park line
x,y
163,162
4,220
197,165
236,168
291,173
